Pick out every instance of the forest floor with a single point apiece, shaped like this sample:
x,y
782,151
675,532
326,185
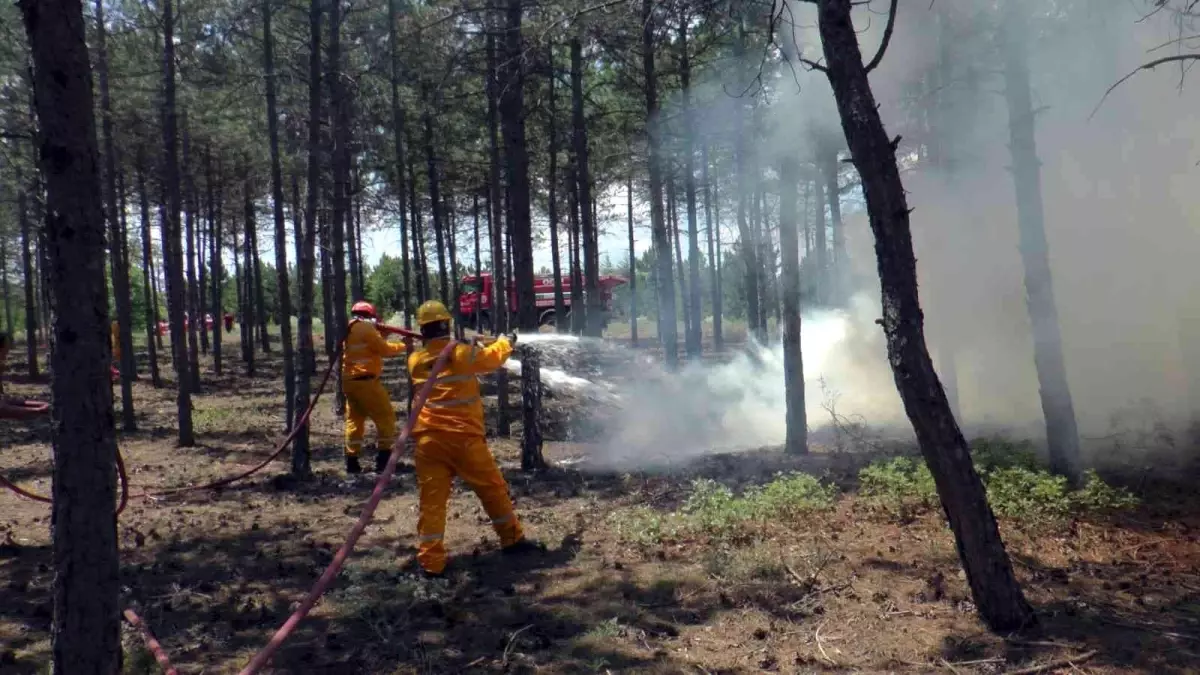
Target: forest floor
x,y
847,588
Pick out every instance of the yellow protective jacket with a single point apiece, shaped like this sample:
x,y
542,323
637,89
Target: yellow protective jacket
x,y
365,350
454,404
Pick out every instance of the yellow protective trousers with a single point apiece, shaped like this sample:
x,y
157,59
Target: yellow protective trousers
x,y
441,456
368,399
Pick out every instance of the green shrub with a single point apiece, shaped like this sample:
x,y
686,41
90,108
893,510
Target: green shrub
x,y
713,509
901,486
1018,488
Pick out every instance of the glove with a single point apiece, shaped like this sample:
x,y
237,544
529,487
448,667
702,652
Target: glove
x,y
512,338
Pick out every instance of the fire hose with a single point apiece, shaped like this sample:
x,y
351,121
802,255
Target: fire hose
x,y
326,579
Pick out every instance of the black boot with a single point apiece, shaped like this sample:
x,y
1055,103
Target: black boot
x,y
352,466
381,460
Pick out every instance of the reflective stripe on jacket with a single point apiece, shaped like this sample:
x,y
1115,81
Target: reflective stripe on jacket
x,y
454,404
365,349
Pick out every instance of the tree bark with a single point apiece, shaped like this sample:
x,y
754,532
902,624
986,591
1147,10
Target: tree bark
x,y
695,336
838,271
711,225
1062,433
192,297
532,458
353,248
593,324
306,263
742,169
172,253
633,303
249,262
989,572
218,274
147,270
119,270
398,123
516,163
27,271
578,311
260,304
341,178
673,230
478,250
281,265
418,237
560,301
85,634
666,290
435,197
793,360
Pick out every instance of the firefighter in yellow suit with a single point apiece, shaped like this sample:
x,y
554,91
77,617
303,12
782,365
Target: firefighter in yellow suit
x,y
366,397
451,442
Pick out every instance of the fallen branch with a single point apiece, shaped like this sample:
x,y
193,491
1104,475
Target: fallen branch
x,y
1068,662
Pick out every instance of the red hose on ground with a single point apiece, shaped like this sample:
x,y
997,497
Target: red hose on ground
x,y
151,644
260,659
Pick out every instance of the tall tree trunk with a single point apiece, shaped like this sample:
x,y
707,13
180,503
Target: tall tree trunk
x,y
478,252
283,288
398,125
306,260
793,360
593,324
172,250
500,291
4,287
119,270
418,237
260,304
673,230
712,222
695,335
989,572
820,245
452,244
516,163
838,270
662,245
218,274
27,271
560,301
352,240
578,311
148,271
742,169
205,234
85,634
1062,433
195,313
341,178
249,262
435,198
633,303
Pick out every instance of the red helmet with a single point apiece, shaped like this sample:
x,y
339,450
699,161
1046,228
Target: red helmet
x,y
364,308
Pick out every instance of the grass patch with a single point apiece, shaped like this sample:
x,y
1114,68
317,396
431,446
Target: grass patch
x,y
1018,487
712,509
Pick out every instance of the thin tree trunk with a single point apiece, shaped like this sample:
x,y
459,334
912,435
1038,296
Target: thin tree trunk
x,y
340,155
838,269
249,262
712,225
195,313
283,287
147,271
327,319
1062,433
695,335
260,304
593,320
742,164
793,361
633,303
516,163
352,239
418,237
27,271
172,253
85,634
398,125
478,254
205,234
119,271
673,230
662,245
306,261
8,313
578,311
560,302
500,291
989,572
820,246
215,254
435,198
452,244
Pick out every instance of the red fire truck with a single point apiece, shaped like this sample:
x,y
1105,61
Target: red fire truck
x,y
475,301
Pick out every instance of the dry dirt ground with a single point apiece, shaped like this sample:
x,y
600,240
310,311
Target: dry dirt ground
x,y
215,573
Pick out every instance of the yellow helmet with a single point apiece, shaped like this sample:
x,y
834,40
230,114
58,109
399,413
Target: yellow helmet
x,y
431,311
